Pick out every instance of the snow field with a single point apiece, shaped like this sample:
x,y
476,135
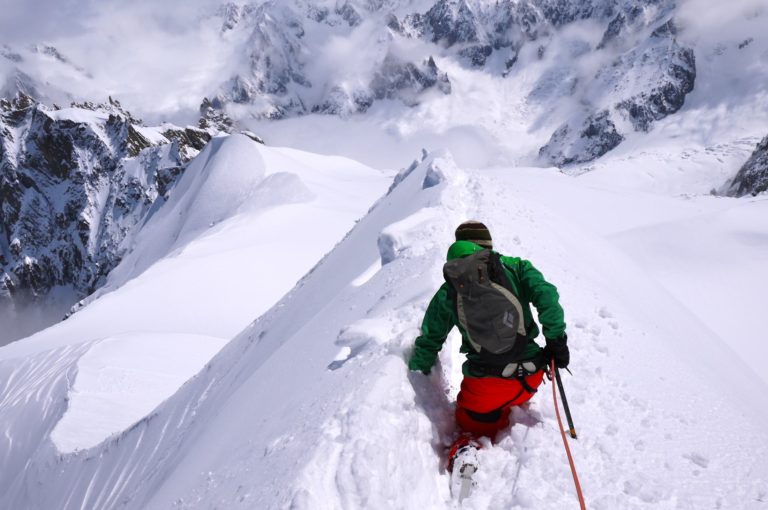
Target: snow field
x,y
311,406
639,447
166,311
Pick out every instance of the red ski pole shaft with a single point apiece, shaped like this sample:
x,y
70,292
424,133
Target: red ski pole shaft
x,y
565,440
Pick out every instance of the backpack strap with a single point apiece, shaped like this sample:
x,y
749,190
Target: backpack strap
x,y
498,276
497,273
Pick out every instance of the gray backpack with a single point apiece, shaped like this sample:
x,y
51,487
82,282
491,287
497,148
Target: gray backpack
x,y
489,312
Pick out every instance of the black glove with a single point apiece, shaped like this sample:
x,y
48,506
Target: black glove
x,y
557,349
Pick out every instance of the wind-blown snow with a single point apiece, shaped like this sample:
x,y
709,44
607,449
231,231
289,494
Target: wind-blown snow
x,y
123,378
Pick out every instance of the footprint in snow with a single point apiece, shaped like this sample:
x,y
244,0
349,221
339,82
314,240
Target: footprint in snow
x,y
605,313
580,323
697,459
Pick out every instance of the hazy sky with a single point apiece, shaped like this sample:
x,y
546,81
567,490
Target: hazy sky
x,y
157,57
160,57
29,21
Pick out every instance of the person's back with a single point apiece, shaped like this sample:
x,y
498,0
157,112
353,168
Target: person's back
x,y
508,369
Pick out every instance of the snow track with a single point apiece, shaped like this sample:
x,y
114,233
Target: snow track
x,y
639,448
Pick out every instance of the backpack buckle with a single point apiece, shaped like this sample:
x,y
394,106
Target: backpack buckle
x,y
519,370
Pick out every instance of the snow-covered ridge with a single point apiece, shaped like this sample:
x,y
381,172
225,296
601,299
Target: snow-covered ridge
x,y
230,286
337,345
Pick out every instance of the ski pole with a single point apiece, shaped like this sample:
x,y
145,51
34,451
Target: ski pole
x,y
565,403
576,483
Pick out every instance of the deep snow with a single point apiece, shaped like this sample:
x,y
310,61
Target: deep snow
x,y
311,406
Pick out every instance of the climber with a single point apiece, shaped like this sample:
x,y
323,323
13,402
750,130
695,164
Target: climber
x,y
488,297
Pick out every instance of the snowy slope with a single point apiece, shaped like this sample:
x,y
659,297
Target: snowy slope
x,y
156,324
348,427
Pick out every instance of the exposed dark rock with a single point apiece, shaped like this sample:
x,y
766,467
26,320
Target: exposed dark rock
x,y
393,23
317,14
477,55
349,14
338,101
668,96
562,12
50,51
644,85
632,18
404,80
596,136
752,177
511,62
230,13
213,117
132,142
512,17
8,53
448,22
253,136
614,29
276,83
746,42
667,30
71,189
187,142
276,61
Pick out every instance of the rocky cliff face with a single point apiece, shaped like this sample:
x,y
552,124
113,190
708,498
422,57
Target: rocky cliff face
x,y
644,84
752,178
283,39
582,143
339,58
74,183
645,75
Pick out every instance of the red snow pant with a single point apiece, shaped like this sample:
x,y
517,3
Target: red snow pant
x,y
484,403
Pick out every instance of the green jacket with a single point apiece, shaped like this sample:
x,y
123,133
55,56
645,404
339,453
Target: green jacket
x,y
530,288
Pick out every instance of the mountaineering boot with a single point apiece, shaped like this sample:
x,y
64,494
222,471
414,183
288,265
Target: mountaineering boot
x,y
464,443
462,464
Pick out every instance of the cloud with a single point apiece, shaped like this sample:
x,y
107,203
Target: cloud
x,y
27,22
157,58
708,18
